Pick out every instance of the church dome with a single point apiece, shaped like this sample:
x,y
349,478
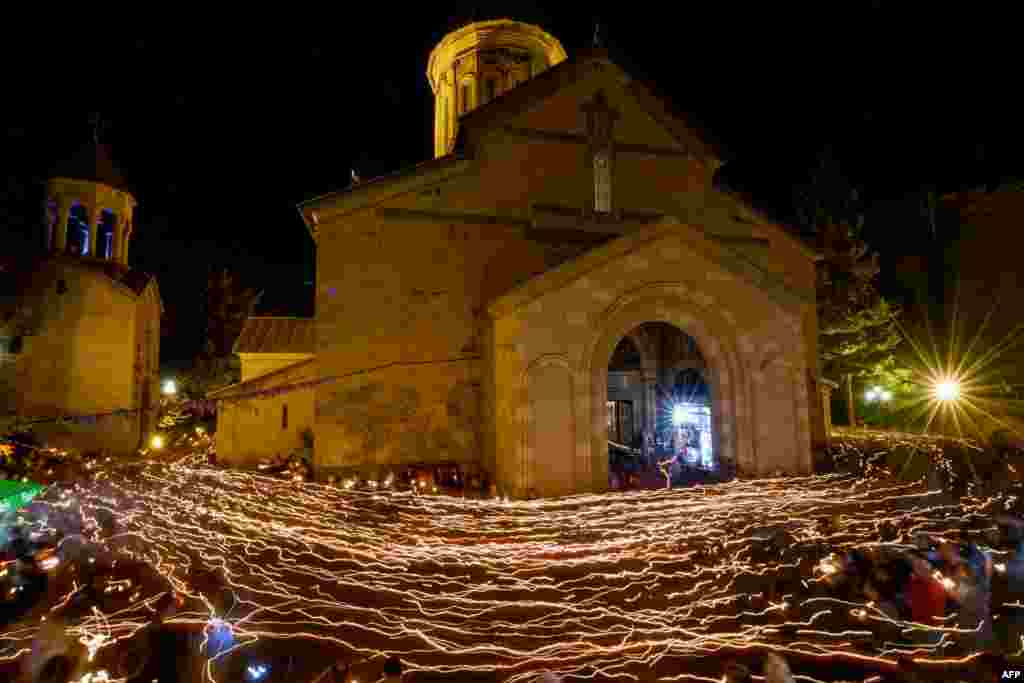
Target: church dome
x,y
478,62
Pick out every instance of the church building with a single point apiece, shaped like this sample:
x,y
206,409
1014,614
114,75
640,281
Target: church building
x,y
79,328
562,274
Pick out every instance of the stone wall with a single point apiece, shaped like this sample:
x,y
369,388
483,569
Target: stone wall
x,y
80,361
251,429
753,346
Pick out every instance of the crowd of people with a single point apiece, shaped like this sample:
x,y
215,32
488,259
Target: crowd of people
x,y
940,577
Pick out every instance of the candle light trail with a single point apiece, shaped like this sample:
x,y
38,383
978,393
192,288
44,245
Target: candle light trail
x,y
634,585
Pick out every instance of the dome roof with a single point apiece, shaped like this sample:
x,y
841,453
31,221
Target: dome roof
x,y
91,162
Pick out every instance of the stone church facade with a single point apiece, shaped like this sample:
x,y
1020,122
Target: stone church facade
x,y
467,308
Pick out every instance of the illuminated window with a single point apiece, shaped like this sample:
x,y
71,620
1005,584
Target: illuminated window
x,y
602,182
78,230
105,234
284,416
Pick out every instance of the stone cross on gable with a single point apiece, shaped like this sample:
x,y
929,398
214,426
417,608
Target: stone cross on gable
x,y
95,120
600,121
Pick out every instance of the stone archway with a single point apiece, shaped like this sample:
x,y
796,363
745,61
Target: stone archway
x,y
672,304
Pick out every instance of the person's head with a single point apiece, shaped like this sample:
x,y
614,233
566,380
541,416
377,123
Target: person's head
x,y
881,576
921,566
950,553
776,670
737,673
393,668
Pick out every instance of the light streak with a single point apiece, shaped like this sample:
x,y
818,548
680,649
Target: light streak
x,y
592,586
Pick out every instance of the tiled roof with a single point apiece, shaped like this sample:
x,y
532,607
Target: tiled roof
x,y
91,162
277,335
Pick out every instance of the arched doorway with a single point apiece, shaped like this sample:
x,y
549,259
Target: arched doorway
x,y
715,338
658,406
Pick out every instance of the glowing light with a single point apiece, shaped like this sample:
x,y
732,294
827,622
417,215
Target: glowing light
x,y
429,577
947,390
49,562
886,396
200,430
256,672
157,441
828,566
170,387
678,415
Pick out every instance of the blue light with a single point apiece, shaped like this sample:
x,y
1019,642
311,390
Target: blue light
x,y
220,636
256,672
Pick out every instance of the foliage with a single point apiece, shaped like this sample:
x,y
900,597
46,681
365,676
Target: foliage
x,y
207,374
227,305
857,328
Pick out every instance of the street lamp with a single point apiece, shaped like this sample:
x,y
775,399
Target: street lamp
x,y
678,415
157,441
878,394
170,388
947,390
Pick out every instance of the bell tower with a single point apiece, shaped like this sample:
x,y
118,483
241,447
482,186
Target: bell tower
x,y
479,62
89,211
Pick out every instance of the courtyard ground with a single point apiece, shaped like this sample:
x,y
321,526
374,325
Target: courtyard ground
x,y
639,585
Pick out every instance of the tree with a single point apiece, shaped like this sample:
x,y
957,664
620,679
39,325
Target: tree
x,y
858,330
227,305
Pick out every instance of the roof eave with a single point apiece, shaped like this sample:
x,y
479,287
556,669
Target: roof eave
x,y
357,196
552,80
223,392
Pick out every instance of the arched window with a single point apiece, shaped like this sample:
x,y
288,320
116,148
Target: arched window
x,y
78,230
105,234
466,96
284,416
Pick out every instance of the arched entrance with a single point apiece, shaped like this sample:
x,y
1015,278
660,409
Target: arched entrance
x,y
658,407
712,351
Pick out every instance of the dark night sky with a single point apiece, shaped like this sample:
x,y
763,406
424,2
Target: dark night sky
x,y
222,126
